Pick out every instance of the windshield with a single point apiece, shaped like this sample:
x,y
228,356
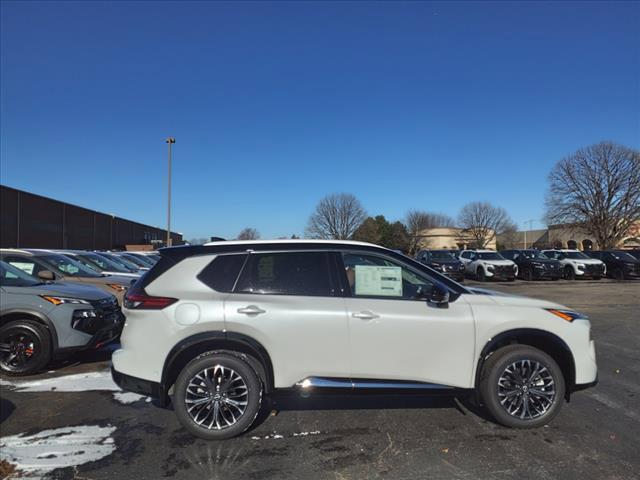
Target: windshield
x,y
575,255
103,264
534,254
442,256
137,260
120,261
14,277
68,267
623,256
489,256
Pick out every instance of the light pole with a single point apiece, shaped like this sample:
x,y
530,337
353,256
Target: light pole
x,y
170,141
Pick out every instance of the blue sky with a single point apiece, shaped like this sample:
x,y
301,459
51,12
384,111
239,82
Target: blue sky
x,y
274,105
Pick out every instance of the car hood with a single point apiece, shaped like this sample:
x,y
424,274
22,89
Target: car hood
x,y
496,262
586,261
507,299
116,279
448,261
64,289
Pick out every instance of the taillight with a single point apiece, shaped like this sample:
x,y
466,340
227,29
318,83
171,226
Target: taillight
x,y
137,299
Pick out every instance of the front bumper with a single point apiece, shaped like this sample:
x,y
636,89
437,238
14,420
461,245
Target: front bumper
x,y
546,273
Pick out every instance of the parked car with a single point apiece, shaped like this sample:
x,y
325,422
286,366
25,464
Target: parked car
x,y
122,262
41,320
224,324
444,262
576,264
634,253
100,264
141,263
620,264
488,264
49,265
533,264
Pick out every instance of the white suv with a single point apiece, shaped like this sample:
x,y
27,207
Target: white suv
x,y
220,325
488,264
576,264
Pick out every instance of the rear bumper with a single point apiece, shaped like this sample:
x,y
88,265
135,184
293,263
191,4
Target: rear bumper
x,y
140,386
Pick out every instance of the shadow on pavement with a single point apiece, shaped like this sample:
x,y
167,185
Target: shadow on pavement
x,y
6,409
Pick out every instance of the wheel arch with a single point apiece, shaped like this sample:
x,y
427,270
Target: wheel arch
x,y
12,314
545,341
230,342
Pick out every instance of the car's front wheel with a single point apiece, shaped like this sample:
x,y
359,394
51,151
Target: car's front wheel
x,y
522,387
480,275
569,274
25,347
217,396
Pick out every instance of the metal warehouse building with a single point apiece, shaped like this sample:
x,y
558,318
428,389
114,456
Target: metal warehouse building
x,y
33,221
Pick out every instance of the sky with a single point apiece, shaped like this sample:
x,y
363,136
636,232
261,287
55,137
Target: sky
x,y
406,105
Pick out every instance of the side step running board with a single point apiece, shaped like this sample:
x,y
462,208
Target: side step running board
x,y
322,382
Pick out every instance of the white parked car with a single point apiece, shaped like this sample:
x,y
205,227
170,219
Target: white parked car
x,y
219,326
576,264
488,264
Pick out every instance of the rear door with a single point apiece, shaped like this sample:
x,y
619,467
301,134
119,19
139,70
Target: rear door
x,y
289,303
395,334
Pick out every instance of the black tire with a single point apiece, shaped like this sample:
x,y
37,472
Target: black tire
x,y
618,274
555,279
217,430
25,347
480,276
510,357
569,274
527,274
597,278
511,279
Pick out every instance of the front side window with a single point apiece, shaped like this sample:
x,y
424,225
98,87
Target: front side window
x,y
374,276
489,256
26,264
14,277
286,273
68,267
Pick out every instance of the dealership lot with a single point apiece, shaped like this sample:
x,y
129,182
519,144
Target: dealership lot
x,y
347,436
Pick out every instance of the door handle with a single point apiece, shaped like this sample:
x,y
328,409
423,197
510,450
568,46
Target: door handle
x,y
251,310
365,315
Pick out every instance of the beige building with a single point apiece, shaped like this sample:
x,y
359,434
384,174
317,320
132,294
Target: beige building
x,y
448,239
563,236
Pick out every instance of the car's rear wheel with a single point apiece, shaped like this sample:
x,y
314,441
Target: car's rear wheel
x,y
528,274
217,396
618,274
25,347
522,387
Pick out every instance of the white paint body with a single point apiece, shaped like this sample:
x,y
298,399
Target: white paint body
x,y
577,265
473,265
319,336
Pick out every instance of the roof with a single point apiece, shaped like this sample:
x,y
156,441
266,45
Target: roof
x,y
289,241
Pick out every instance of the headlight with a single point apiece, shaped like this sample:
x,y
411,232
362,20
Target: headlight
x,y
568,315
490,267
630,265
61,300
580,266
118,288
537,264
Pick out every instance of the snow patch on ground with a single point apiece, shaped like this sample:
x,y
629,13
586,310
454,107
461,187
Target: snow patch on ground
x,y
79,382
35,455
275,436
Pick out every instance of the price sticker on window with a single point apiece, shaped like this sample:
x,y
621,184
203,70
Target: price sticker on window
x,y
378,281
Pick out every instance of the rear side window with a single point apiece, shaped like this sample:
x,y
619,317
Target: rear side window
x,y
222,272
286,273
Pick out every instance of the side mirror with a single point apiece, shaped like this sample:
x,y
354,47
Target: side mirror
x,y
438,297
46,275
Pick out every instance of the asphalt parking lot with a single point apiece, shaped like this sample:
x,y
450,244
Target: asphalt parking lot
x,y
397,436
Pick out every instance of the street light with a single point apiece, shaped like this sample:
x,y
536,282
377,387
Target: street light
x,y
169,141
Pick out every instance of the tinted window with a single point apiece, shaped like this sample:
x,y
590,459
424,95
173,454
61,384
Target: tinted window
x,y
373,276
508,254
290,273
14,277
221,274
465,254
26,264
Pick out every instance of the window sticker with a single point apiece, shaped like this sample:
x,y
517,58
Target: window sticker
x,y
378,281
26,267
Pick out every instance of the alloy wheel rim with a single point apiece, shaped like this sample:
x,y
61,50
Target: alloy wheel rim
x,y
216,398
17,350
526,389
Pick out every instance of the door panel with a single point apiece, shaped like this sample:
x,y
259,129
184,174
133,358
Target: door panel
x,y
304,336
410,340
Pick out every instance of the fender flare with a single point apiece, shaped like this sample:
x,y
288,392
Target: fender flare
x,y
44,319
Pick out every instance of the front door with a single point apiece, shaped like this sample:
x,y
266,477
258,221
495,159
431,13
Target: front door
x,y
395,334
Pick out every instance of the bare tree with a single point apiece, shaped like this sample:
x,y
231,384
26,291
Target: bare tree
x,y
416,221
249,234
337,216
597,189
483,221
